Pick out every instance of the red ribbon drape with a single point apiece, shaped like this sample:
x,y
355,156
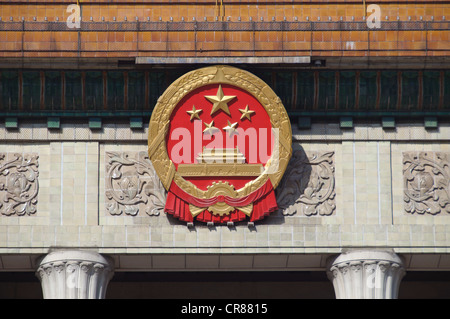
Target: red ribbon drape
x,y
263,199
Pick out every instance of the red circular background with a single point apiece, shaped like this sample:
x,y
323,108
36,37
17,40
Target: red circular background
x,y
181,123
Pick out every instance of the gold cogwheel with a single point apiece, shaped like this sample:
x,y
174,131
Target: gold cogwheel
x,y
221,189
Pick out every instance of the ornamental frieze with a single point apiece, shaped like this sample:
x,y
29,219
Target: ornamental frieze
x,y
132,185
308,187
426,182
19,184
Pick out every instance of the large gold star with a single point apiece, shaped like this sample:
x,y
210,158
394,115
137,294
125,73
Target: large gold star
x,y
194,113
220,101
231,128
246,113
210,128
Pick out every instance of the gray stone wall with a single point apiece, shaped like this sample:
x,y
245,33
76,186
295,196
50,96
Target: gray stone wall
x,y
97,189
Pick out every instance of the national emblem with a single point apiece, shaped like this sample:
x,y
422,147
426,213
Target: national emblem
x,y
224,175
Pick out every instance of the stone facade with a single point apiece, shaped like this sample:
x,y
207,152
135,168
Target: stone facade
x,y
361,202
87,188
365,205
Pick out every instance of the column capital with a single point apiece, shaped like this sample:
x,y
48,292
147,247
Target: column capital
x,y
74,274
366,274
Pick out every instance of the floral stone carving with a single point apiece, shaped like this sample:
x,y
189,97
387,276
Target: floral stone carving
x,y
308,185
19,184
426,182
132,184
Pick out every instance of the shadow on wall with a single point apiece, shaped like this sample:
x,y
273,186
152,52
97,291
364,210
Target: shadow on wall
x,y
308,185
306,189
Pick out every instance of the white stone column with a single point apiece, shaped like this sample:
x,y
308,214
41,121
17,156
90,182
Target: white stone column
x,y
366,274
74,274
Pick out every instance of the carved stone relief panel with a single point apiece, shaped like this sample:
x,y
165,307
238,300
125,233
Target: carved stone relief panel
x,y
426,182
132,185
308,186
19,184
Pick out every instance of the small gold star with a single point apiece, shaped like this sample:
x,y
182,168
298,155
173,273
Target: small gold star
x,y
246,113
220,101
210,128
231,128
194,113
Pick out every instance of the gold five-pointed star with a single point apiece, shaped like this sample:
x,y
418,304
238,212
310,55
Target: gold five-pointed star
x,y
231,128
210,128
246,113
220,101
194,113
